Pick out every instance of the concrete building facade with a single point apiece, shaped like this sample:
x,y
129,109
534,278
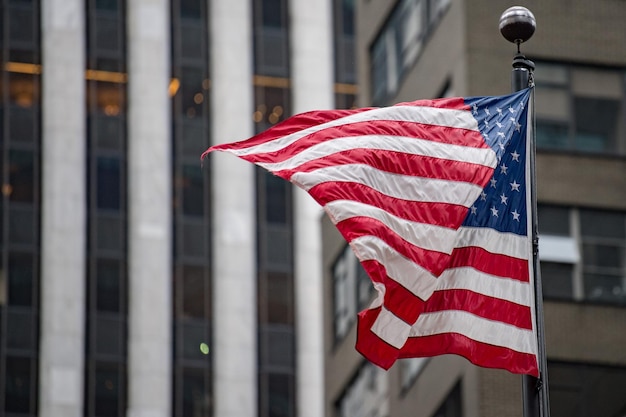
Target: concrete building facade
x,y
414,49
134,279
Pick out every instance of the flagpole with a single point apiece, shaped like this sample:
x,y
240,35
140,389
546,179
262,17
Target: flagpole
x,y
517,25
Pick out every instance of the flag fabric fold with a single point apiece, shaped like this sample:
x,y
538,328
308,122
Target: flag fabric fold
x,y
433,197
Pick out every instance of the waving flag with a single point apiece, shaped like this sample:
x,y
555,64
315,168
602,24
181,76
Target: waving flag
x,y
432,196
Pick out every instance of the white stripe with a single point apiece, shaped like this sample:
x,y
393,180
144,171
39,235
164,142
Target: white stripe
x,y
399,268
477,328
468,278
405,187
493,241
391,329
423,235
407,145
460,119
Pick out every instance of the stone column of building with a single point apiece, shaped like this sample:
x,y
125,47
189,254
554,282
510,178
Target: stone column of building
x,y
312,88
63,209
149,208
233,209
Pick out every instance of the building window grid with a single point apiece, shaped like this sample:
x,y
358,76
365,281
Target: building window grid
x,y
192,373
580,285
555,132
400,42
19,207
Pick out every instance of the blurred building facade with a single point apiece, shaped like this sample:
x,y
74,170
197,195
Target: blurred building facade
x,y
133,281
414,49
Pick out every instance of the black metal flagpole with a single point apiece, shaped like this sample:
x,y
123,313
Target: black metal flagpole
x,y
517,25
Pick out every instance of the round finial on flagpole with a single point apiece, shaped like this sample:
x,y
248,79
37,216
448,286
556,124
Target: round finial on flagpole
x,y
517,24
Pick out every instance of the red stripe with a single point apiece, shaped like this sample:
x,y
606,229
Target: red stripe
x,y
398,299
400,163
479,353
442,214
453,103
433,261
491,308
490,263
433,133
370,345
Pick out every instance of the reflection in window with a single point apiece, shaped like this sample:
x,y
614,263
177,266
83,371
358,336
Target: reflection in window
x,y
580,108
400,42
367,395
452,406
587,261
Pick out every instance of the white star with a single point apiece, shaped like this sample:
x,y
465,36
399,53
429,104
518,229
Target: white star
x,y
493,182
503,169
473,208
515,215
499,125
474,109
486,123
518,127
501,145
501,134
494,211
511,109
499,110
488,112
483,196
515,156
515,186
503,199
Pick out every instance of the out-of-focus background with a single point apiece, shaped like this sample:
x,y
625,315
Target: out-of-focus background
x,y
135,281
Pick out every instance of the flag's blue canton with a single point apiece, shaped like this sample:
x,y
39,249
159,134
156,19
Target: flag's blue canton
x,y
502,122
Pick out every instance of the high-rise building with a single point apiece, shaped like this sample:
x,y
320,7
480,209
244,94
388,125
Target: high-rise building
x,y
417,49
134,280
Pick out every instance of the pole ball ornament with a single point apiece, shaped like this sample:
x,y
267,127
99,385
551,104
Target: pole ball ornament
x,y
517,24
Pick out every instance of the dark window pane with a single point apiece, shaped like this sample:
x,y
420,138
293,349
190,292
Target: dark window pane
x,y
108,286
191,9
452,406
107,390
108,132
279,296
192,40
22,225
23,90
553,220
608,256
347,12
193,190
109,336
194,292
194,240
107,33
273,13
109,5
108,183
276,195
552,135
583,390
109,233
605,288
277,346
194,138
21,175
21,325
195,340
192,93
596,123
278,247
196,394
280,396
21,279
18,385
556,280
22,124
595,223
21,24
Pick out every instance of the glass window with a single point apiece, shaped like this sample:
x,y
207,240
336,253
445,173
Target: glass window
x,y
108,389
196,394
18,389
279,296
21,279
581,390
109,286
556,280
580,108
553,220
21,327
194,292
452,406
108,183
193,190
276,195
109,336
367,395
281,395
22,176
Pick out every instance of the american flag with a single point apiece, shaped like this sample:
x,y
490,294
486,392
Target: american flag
x,y
432,196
